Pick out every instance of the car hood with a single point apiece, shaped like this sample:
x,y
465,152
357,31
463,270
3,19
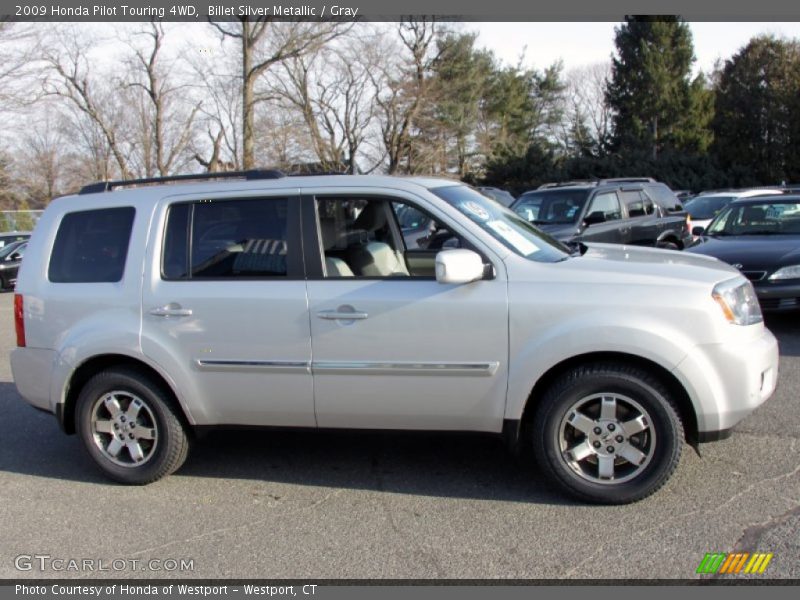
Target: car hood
x,y
751,250
637,265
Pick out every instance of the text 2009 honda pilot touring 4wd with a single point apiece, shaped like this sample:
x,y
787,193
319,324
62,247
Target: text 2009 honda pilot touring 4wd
x,y
144,312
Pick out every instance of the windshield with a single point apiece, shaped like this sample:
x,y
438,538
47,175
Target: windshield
x,y
762,218
501,196
550,207
9,249
707,207
411,218
514,233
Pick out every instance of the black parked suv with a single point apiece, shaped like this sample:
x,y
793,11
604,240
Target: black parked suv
x,y
638,211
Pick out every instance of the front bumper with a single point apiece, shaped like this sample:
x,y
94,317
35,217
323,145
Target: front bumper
x,y
778,296
728,381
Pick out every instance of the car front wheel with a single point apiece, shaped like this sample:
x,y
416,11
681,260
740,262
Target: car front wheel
x,y
130,427
607,433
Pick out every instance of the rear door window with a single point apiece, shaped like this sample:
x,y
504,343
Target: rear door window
x,y
228,239
91,246
637,203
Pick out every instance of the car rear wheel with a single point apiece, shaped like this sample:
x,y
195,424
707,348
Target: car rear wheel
x,y
130,427
608,433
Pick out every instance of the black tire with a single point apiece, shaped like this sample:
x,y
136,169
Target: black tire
x,y
667,245
158,415
660,442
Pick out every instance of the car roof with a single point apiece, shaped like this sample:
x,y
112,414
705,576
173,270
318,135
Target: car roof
x,y
134,191
770,198
562,188
742,193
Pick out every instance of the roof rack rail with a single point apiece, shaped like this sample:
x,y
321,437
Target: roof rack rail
x,y
628,180
559,184
253,174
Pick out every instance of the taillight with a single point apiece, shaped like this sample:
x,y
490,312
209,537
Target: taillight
x,y
19,320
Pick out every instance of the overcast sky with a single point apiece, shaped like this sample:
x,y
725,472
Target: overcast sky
x,y
585,43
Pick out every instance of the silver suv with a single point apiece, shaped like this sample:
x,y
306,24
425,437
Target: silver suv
x,y
147,312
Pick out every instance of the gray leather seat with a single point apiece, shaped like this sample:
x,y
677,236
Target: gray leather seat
x,y
334,266
375,258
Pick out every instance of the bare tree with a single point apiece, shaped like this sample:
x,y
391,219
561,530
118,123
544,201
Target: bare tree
x,y
586,104
41,164
265,43
281,138
19,48
69,78
332,92
402,88
219,146
165,121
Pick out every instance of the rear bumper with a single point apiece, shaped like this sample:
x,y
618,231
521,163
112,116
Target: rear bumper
x,y
32,369
729,381
713,436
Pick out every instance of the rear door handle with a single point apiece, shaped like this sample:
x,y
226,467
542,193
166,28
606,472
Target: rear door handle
x,y
342,315
173,309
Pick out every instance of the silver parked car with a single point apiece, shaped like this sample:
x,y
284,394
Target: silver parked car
x,y
146,312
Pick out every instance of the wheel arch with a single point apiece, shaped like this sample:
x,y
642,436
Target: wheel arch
x,y
670,237
513,430
90,367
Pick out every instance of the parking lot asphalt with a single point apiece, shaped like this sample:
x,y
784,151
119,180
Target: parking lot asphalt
x,y
325,505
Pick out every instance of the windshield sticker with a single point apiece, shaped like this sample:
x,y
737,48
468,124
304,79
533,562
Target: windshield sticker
x,y
515,238
475,210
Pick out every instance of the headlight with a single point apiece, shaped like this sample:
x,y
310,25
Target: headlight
x,y
792,272
738,301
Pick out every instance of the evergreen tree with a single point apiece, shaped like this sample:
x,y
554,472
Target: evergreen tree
x,y
657,106
7,195
757,122
462,75
24,219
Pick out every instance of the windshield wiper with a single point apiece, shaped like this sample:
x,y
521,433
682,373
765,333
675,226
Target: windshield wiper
x,y
761,232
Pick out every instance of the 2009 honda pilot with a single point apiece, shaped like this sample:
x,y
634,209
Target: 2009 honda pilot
x,y
144,312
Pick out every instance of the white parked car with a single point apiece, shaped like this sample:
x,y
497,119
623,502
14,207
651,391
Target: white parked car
x,y
702,209
146,312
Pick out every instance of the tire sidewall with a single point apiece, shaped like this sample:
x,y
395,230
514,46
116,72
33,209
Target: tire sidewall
x,y
663,421
111,381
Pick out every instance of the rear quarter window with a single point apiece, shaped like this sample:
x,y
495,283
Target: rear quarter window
x,y
91,246
665,197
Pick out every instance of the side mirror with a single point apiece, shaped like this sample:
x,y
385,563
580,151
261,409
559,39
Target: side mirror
x,y
458,266
699,230
595,217
14,256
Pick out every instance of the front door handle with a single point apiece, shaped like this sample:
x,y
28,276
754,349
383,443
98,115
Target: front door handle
x,y
173,309
343,313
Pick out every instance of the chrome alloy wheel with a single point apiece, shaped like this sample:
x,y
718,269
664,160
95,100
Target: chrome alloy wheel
x,y
124,428
607,438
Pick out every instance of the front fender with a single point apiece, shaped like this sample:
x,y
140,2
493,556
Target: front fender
x,y
655,341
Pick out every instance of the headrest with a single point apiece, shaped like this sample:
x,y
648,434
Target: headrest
x,y
329,233
372,218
